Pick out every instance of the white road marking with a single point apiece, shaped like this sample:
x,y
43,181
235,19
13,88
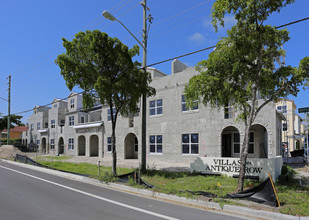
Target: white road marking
x,y
95,196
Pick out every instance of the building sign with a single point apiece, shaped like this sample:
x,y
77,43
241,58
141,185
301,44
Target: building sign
x,y
302,110
231,166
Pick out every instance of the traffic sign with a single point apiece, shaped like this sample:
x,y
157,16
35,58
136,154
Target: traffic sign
x,y
302,110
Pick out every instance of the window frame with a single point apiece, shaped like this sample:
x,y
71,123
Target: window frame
x,y
155,109
52,123
155,144
109,117
190,143
71,120
72,103
109,144
52,144
38,125
71,144
184,107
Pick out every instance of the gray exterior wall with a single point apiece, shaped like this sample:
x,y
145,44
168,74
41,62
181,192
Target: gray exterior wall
x,y
91,133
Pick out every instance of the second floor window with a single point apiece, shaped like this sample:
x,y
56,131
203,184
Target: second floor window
x,y
184,104
282,108
72,103
31,127
71,120
156,107
38,126
82,120
109,118
52,124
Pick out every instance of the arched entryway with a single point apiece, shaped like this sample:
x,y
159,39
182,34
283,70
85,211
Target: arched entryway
x,y
60,146
131,147
94,145
43,145
81,146
230,142
258,141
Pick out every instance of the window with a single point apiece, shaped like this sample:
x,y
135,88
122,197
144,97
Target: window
x,y
46,125
82,119
72,103
284,127
190,144
31,127
37,144
155,144
236,143
62,122
251,143
52,144
109,144
109,118
156,107
282,108
184,107
229,112
38,126
71,120
52,124
135,145
55,105
71,144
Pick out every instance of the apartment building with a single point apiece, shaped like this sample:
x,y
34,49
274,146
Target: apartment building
x,y
175,133
292,126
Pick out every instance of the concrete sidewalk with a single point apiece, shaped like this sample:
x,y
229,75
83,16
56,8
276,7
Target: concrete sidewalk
x,y
201,204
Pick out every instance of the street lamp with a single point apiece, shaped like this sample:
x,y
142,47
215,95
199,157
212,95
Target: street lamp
x,y
111,17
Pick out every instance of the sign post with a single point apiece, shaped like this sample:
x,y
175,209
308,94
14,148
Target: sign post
x,y
306,150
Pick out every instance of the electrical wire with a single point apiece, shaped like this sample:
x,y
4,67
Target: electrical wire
x,y
211,47
163,61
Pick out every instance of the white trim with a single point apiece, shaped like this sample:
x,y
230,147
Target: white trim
x,y
92,125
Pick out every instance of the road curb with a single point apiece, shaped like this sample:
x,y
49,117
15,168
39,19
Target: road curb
x,y
235,210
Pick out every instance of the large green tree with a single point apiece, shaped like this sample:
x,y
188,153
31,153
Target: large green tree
x,y
247,67
14,121
102,66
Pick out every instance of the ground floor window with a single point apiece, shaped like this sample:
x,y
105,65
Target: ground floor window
x,y
37,144
52,144
71,143
251,143
236,143
155,144
190,144
135,145
109,144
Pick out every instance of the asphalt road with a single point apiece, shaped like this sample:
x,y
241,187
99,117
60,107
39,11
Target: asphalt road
x,y
28,194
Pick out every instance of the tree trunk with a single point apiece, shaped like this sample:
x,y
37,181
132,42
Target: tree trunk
x,y
243,159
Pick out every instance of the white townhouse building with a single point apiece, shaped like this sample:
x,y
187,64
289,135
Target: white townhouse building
x,y
175,133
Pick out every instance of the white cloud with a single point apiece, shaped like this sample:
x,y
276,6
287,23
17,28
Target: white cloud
x,y
197,38
229,21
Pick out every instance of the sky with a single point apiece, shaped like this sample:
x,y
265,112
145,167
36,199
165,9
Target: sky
x,y
31,39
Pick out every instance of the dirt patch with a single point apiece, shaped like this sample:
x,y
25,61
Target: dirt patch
x,y
9,151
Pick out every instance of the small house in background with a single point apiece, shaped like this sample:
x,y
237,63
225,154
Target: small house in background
x,y
15,132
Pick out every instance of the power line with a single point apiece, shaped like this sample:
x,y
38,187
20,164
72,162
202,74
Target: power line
x,y
187,54
211,47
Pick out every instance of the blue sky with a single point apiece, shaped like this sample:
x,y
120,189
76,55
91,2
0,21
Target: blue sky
x,y
31,33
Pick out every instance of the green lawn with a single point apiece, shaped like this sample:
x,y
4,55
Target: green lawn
x,y
294,198
84,168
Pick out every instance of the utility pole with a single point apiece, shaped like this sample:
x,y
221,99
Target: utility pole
x,y
9,110
144,96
